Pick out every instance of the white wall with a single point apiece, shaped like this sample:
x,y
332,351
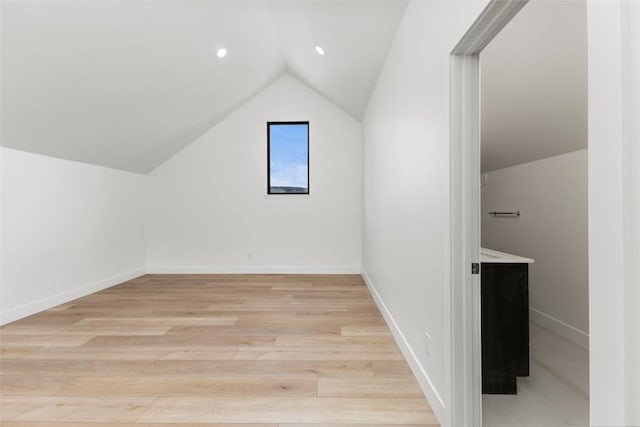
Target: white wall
x,y
633,218
68,229
406,188
614,211
207,209
552,229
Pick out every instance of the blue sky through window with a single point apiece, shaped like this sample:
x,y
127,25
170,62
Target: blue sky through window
x,y
288,155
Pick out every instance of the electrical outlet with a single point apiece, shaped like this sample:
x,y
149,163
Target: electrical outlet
x,y
249,256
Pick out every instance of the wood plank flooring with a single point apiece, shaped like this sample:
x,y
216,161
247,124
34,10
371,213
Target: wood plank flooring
x,y
204,350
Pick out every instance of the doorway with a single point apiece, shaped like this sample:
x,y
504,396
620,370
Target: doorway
x,y
534,210
465,208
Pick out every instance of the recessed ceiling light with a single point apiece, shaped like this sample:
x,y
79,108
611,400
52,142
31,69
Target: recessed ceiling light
x,y
320,50
222,52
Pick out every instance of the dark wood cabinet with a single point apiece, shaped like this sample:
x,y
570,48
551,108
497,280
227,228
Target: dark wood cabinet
x,y
505,326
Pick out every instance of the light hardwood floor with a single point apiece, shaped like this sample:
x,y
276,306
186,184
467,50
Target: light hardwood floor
x,y
196,350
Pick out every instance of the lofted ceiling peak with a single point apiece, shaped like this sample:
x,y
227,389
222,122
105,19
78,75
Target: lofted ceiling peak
x,y
128,84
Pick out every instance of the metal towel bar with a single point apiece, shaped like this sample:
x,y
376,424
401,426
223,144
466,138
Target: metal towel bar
x,y
497,213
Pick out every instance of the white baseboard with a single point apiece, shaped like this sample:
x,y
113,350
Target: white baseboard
x,y
566,331
427,386
51,301
249,269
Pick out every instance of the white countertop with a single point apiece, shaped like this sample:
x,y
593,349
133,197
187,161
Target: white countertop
x,y
489,255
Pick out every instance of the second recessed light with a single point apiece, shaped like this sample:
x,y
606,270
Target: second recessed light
x,y
320,50
222,52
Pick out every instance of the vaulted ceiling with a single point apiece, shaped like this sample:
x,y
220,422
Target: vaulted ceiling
x,y
534,85
127,84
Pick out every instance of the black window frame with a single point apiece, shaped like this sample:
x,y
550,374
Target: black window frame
x,y
280,123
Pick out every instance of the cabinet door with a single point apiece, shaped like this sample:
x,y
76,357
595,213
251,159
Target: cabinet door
x,y
505,329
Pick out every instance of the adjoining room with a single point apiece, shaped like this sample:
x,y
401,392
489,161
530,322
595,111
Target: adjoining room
x,y
534,217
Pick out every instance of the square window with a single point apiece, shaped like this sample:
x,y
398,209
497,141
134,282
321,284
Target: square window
x,y
288,157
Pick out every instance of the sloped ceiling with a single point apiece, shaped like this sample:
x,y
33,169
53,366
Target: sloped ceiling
x,y
356,36
127,84
534,85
